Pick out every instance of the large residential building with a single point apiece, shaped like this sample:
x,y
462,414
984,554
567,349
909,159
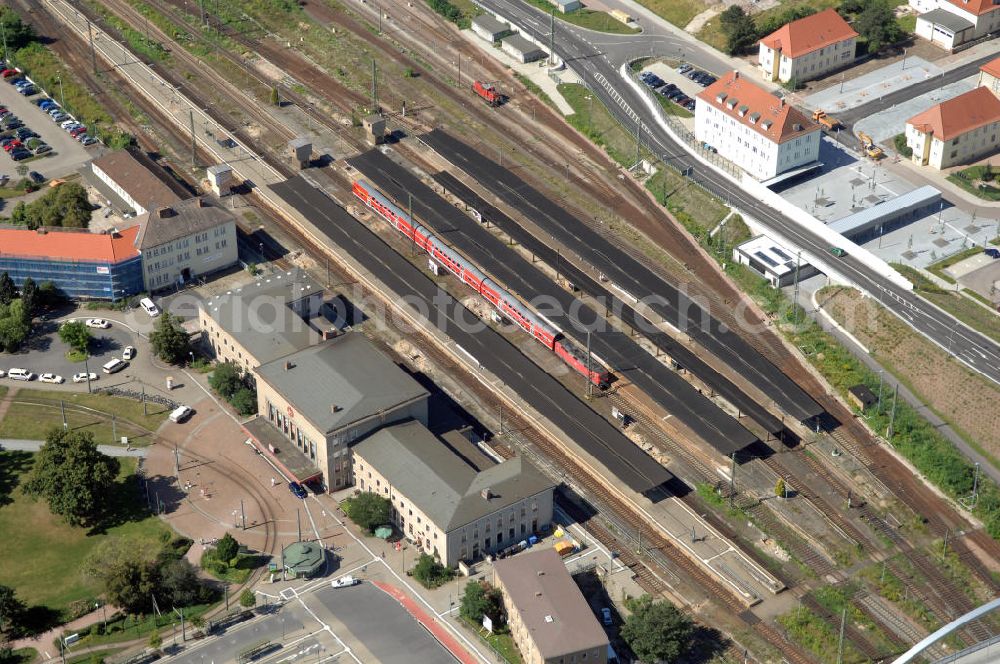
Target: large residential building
x,y
444,504
752,128
262,321
951,23
316,402
989,76
80,264
130,182
548,616
185,240
957,131
808,48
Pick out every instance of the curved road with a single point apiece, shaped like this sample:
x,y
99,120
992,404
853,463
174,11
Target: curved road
x,y
592,56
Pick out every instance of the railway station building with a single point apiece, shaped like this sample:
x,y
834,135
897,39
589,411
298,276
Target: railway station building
x,y
808,48
129,182
445,505
548,616
317,402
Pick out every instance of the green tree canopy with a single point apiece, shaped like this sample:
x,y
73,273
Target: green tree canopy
x,y
17,32
12,612
76,335
127,572
369,510
227,548
430,572
657,631
73,476
248,599
244,401
29,298
877,25
65,205
169,340
180,584
740,29
481,600
226,379
155,640
8,291
14,326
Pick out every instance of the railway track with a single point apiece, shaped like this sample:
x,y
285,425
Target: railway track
x,y
851,632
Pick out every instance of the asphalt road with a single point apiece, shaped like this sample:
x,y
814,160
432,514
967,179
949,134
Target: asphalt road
x,y
573,417
583,53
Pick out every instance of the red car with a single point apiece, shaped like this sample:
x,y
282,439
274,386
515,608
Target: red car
x,y
7,73
77,131
13,144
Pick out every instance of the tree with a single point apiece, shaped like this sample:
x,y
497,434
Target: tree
x,y
877,25
49,294
226,379
155,640
29,298
248,599
8,291
740,29
481,600
227,548
17,33
779,488
656,630
127,572
76,335
369,510
179,581
430,572
244,401
14,327
66,205
11,613
169,340
73,476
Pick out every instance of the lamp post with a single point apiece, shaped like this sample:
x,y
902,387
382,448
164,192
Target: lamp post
x,y
62,97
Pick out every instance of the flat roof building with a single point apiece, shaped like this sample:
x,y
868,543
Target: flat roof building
x,y
958,131
489,28
131,182
325,397
449,507
521,49
79,263
262,320
808,48
889,215
548,616
760,133
771,261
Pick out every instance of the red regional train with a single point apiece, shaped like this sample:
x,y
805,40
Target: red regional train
x,y
504,302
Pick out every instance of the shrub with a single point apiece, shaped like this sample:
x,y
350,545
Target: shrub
x,y
430,573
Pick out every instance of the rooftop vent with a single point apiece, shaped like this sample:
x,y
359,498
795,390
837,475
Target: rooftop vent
x,y
549,619
486,493
796,127
202,203
288,366
334,408
165,212
540,572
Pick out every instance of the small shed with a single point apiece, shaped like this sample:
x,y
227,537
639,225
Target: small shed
x,y
489,28
374,126
862,397
301,151
567,6
521,49
303,559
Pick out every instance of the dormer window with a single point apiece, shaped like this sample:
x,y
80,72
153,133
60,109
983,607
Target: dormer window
x,y
743,110
721,97
754,117
766,124
731,104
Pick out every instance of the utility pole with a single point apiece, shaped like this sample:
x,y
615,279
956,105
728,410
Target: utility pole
x,y
144,409
840,641
552,38
881,373
201,3
3,34
892,416
114,428
459,70
62,409
638,143
243,514
225,588
975,488
501,418
193,138
298,523
177,463
795,295
375,108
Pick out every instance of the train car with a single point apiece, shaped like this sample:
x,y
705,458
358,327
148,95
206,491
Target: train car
x,y
577,359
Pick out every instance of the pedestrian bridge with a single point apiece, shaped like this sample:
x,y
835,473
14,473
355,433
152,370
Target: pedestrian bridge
x,y
981,653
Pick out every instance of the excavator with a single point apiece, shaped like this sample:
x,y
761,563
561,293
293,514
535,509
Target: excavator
x,y
872,150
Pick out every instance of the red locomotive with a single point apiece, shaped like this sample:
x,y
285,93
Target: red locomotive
x,y
542,330
489,92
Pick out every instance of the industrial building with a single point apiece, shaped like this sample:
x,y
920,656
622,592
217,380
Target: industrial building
x,y
129,182
80,264
752,128
547,614
771,261
951,23
521,49
490,28
887,216
263,320
184,241
808,48
957,131
449,508
316,402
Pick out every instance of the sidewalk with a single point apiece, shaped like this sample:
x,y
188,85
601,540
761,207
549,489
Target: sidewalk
x,y
44,643
35,445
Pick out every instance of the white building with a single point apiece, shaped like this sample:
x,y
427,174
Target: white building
x,y
771,261
951,23
490,28
807,48
132,182
521,49
752,128
989,76
957,131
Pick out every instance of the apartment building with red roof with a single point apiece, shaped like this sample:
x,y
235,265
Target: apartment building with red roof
x,y
752,128
951,23
989,76
958,131
808,48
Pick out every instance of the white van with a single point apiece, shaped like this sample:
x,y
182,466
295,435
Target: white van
x,y
114,366
20,374
149,307
180,414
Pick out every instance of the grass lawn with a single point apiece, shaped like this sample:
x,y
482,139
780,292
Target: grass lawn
x,y
678,12
976,180
42,562
593,120
501,643
238,573
126,628
711,33
962,308
959,256
36,412
588,18
89,657
670,108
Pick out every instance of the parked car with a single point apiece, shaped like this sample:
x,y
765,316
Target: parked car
x,y
10,145
56,379
24,134
7,73
82,377
179,414
606,616
128,353
77,131
87,140
59,115
149,307
297,490
690,104
43,148
19,155
28,90
36,177
99,323
992,253
344,582
685,67
69,124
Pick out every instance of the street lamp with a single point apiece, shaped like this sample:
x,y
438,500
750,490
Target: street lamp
x,y
62,97
191,353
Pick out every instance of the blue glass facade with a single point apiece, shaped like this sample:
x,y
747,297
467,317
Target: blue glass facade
x,y
78,278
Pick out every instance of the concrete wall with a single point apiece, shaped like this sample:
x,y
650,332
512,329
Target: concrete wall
x,y
201,253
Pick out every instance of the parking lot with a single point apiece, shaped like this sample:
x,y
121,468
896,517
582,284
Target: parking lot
x,y
67,153
680,88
